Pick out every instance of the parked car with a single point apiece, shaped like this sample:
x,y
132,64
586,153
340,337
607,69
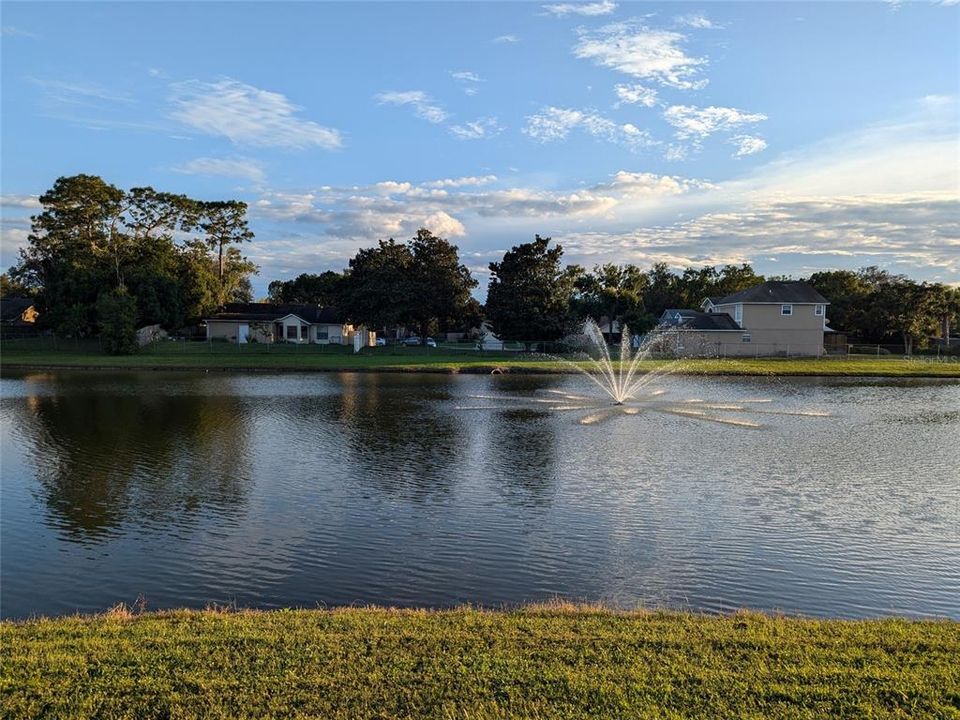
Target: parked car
x,y
431,342
381,342
412,340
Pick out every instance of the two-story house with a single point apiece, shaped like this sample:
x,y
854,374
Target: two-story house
x,y
774,318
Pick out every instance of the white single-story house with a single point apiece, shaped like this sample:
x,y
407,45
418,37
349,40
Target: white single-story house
x,y
294,323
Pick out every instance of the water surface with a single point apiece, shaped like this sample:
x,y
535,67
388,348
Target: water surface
x,y
188,489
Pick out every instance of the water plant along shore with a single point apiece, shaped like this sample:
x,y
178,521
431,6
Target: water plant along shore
x,y
560,661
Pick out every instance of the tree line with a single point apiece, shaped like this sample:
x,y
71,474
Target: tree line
x,y
534,296
101,259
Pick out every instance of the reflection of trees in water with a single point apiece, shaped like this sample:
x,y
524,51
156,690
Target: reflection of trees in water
x,y
521,448
400,432
104,458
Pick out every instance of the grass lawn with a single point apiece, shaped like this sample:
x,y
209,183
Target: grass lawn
x,y
43,354
538,662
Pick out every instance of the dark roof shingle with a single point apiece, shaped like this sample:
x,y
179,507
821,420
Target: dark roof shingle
x,y
777,291
268,312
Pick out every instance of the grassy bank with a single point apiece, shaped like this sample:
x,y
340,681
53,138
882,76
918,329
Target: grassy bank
x,y
222,356
550,662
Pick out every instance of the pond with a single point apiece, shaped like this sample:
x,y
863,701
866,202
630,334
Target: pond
x,y
274,490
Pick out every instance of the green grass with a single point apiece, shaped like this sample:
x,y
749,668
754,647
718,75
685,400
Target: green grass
x,y
538,662
42,354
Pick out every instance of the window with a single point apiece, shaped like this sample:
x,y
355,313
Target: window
x,y
738,313
786,309
322,334
818,310
292,332
745,337
304,332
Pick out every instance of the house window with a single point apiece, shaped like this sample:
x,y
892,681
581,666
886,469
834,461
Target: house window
x,y
304,332
818,310
786,309
322,334
292,332
738,313
745,337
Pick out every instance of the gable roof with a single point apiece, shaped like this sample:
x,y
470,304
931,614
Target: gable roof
x,y
695,320
269,312
777,291
13,307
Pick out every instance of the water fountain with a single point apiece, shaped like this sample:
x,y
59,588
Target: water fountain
x,y
625,390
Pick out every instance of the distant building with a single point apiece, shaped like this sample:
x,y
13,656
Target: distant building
x,y
18,312
773,318
294,323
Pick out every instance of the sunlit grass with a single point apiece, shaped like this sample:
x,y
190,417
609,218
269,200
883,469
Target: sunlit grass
x,y
539,662
291,357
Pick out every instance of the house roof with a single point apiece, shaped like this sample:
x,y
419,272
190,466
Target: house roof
x,y
13,307
695,320
269,312
777,291
713,300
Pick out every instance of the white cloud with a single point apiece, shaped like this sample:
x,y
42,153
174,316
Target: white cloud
x,y
748,144
642,52
913,232
470,91
643,184
506,39
477,129
227,167
248,115
72,92
17,32
553,124
698,21
635,94
697,123
420,101
472,180
466,76
443,225
30,202
604,7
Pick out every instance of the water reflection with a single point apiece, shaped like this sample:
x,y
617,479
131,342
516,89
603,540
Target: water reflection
x,y
104,458
278,490
397,431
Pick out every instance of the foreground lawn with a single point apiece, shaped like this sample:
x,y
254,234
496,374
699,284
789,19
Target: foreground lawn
x,y
554,662
316,358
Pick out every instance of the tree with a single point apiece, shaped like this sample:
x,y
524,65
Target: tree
x,y
421,284
378,290
529,295
13,288
91,236
324,289
615,292
224,223
663,290
117,318
73,250
441,284
848,296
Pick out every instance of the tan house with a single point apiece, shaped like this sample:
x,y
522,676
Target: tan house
x,y
773,318
293,323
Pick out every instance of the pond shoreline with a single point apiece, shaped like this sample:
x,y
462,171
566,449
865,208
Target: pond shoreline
x,y
762,368
548,661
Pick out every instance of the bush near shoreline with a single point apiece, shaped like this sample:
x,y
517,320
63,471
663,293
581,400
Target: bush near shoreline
x,y
556,661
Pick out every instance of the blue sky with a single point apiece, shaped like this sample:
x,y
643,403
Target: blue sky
x,y
797,136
